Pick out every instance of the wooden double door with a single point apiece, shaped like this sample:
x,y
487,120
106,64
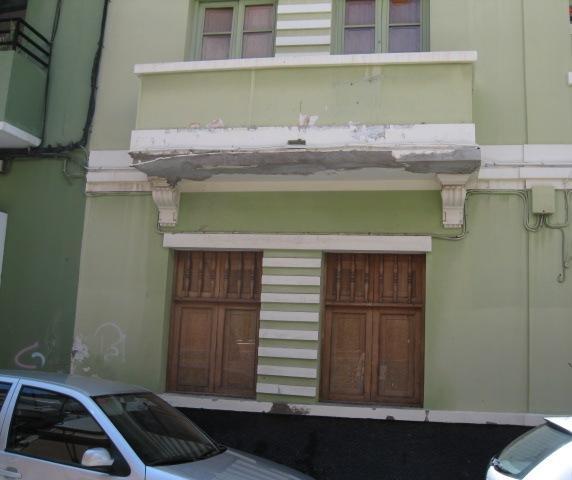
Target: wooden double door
x,y
214,328
373,332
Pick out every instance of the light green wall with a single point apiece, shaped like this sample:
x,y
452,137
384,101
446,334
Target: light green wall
x,y
477,315
513,37
124,285
41,263
139,31
393,94
509,108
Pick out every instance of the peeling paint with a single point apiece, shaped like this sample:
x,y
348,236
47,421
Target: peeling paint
x,y
216,123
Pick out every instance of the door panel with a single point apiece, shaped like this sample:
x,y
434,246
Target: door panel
x,y
348,355
396,357
373,334
236,369
214,329
195,346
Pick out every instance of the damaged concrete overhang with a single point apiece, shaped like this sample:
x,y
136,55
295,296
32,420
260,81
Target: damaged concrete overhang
x,y
176,165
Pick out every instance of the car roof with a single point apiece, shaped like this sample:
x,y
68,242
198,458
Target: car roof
x,y
565,423
91,386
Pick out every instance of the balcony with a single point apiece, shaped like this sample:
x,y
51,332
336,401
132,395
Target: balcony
x,y
306,115
24,60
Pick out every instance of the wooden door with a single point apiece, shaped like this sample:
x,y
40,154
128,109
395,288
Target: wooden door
x,y
214,328
373,331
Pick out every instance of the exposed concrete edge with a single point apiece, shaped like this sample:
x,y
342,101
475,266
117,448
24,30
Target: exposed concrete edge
x,y
22,139
309,61
338,243
353,411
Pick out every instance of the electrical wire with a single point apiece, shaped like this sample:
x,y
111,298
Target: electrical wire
x,y
52,151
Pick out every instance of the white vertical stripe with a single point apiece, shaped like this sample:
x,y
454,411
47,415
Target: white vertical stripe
x,y
288,334
287,371
313,298
273,316
292,262
286,390
290,280
300,353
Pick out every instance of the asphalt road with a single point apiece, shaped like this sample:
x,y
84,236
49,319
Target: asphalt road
x,y
349,449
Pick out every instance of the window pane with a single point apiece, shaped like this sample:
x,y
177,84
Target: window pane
x,y
216,47
218,20
256,45
4,389
359,40
259,17
404,39
405,11
53,426
360,12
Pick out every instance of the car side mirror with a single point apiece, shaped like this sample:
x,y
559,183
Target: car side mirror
x,y
97,457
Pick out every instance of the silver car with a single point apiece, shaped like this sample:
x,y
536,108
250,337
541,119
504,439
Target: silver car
x,y
544,453
64,427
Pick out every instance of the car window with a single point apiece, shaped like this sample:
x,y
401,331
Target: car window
x,y
530,449
158,433
53,426
4,389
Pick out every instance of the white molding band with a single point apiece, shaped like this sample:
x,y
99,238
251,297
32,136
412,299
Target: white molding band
x,y
298,280
292,9
305,298
291,262
319,24
286,390
14,137
334,243
325,60
277,371
283,352
273,334
302,40
286,316
374,412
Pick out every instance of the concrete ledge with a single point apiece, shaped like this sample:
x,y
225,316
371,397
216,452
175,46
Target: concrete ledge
x,y
353,411
308,61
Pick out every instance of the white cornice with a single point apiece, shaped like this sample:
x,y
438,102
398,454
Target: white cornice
x,y
337,243
309,61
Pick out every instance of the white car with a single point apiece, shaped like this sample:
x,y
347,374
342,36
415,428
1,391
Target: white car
x,y
544,453
65,427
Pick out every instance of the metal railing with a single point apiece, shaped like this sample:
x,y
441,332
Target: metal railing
x,y
17,34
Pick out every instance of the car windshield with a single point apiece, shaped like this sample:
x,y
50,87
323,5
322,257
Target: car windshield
x,y
522,455
158,433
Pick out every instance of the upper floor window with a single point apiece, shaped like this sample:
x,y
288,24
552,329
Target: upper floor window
x,y
369,26
237,29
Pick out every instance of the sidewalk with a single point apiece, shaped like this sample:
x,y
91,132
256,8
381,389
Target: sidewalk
x,y
348,449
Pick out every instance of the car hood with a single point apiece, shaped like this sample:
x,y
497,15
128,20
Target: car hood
x,y
230,465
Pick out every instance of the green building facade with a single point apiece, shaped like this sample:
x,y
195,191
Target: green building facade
x,y
46,59
390,206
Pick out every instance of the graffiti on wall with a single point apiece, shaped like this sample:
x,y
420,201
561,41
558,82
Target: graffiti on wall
x,y
107,344
30,357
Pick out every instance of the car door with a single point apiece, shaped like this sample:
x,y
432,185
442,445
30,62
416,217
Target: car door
x,y
47,429
7,387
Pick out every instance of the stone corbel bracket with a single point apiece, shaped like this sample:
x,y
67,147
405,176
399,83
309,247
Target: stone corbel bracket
x,y
453,194
166,198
